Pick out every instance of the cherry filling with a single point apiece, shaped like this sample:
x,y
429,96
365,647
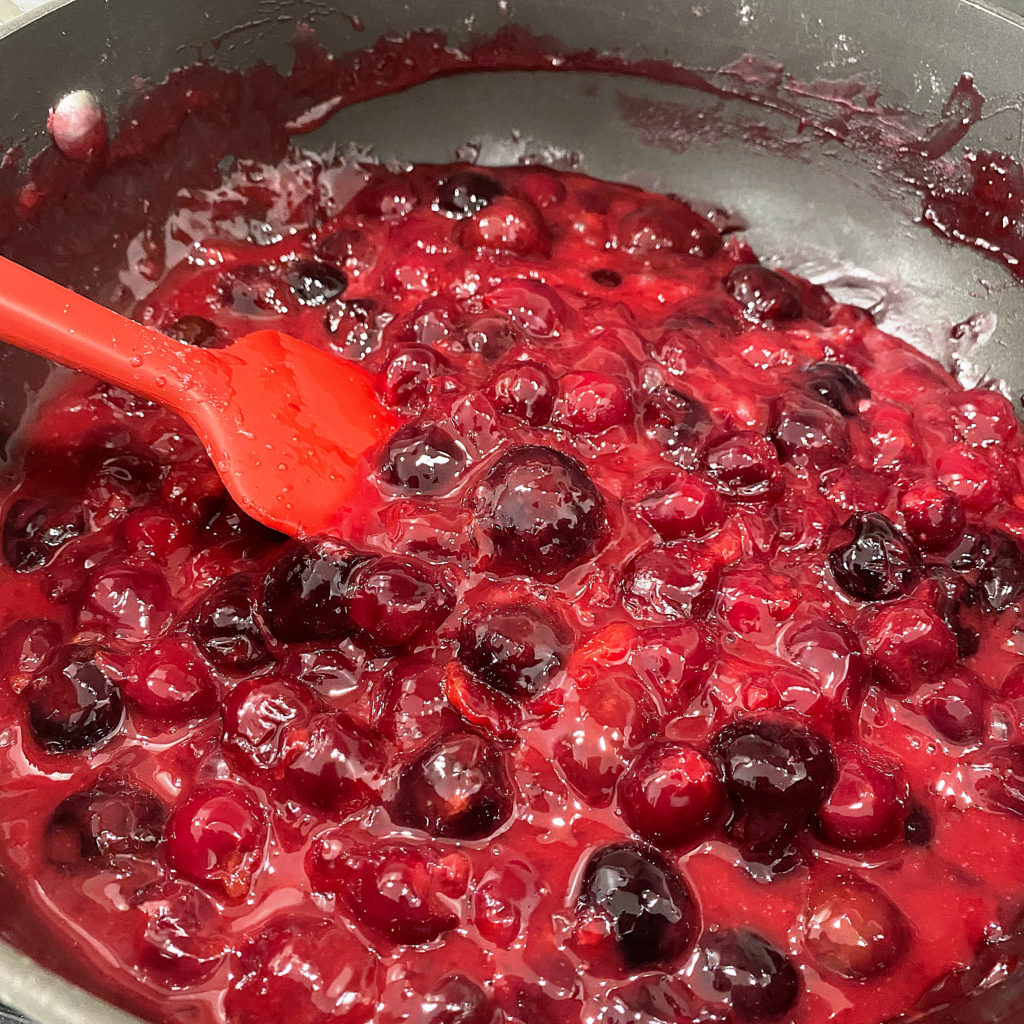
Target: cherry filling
x,y
668,667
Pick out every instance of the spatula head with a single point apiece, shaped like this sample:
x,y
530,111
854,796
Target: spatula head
x,y
289,428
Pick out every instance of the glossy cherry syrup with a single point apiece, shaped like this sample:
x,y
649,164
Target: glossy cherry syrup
x,y
669,668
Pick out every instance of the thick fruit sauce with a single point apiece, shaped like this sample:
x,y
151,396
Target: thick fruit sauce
x,y
669,670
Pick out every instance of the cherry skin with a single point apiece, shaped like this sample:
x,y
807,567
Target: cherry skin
x,y
527,391
170,682
671,794
838,386
934,517
216,837
765,297
422,458
853,930
955,706
457,788
910,643
225,628
879,563
34,532
684,508
744,466
590,402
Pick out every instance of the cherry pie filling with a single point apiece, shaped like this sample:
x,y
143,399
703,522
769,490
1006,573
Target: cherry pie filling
x,y
668,667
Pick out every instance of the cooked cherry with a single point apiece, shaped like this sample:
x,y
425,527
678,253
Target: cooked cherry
x,y
458,788
612,719
394,888
777,774
225,629
198,332
304,597
591,402
126,601
465,193
867,806
265,721
422,459
684,508
526,390
766,297
74,701
514,649
955,705
25,644
879,563
671,794
407,375
809,436
107,826
668,225
216,837
395,601
675,420
745,466
910,643
457,1000
336,768
540,510
665,583
290,972
1000,778
651,912
510,225
933,516
854,930
838,386
313,283
168,680
1001,580
182,944
35,531
755,978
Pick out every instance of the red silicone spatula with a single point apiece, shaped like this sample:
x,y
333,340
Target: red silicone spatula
x,y
285,424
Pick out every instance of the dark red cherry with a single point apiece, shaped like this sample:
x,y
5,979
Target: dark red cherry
x,y
514,649
74,701
458,788
457,1000
810,436
670,582
745,466
671,794
933,516
868,804
396,889
777,774
225,628
314,283
407,375
540,510
853,929
879,563
216,837
1001,580
527,391
395,601
667,224
648,907
422,459
755,978
465,193
337,766
104,827
305,597
35,530
766,297
1000,778
838,386
198,332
